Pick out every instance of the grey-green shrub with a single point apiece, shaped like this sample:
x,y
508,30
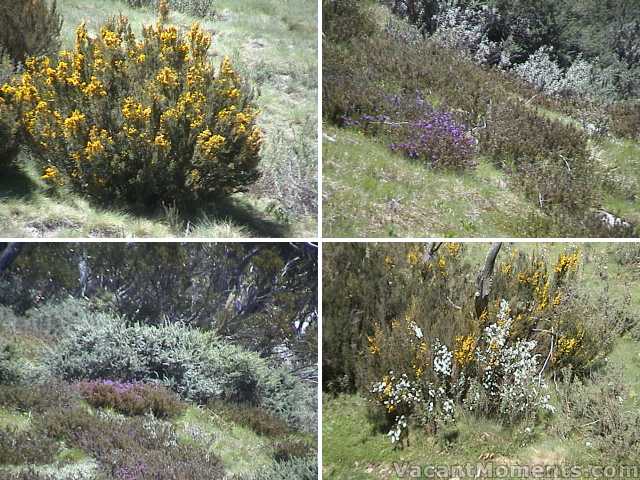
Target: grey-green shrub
x,y
295,469
197,365
53,318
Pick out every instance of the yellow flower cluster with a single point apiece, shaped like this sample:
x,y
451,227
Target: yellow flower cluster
x,y
414,255
134,111
199,42
506,268
72,123
567,262
168,77
454,248
94,88
162,141
98,139
50,173
374,349
567,345
226,69
442,266
210,143
464,350
111,39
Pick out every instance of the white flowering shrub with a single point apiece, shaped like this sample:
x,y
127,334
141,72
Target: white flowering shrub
x,y
500,376
465,29
509,381
400,396
542,72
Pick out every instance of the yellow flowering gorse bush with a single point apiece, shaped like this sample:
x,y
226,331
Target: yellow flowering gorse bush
x,y
142,121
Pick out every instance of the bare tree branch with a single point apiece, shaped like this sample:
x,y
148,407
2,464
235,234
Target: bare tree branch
x,y
484,280
9,254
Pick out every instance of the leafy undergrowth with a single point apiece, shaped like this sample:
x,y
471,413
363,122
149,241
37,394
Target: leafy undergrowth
x,y
274,44
371,191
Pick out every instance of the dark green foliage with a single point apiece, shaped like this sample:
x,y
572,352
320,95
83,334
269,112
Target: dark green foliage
x,y
29,28
251,417
131,398
625,120
9,366
19,447
290,449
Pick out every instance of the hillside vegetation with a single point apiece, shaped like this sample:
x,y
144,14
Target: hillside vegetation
x,y
480,118
200,381
271,47
543,377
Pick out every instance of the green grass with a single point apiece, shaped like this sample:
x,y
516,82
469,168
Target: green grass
x,y
242,451
274,43
370,191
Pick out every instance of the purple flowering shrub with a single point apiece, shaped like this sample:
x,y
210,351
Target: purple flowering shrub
x,y
440,141
420,131
131,398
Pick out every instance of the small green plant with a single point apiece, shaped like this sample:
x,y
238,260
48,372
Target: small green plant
x,y
251,417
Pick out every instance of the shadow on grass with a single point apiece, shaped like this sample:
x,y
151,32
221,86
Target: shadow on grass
x,y
207,220
241,213
15,183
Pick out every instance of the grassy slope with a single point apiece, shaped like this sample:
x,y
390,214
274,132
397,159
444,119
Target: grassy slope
x,y
242,451
362,178
371,191
275,44
352,449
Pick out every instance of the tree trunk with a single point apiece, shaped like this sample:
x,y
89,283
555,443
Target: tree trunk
x,y
484,280
9,254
